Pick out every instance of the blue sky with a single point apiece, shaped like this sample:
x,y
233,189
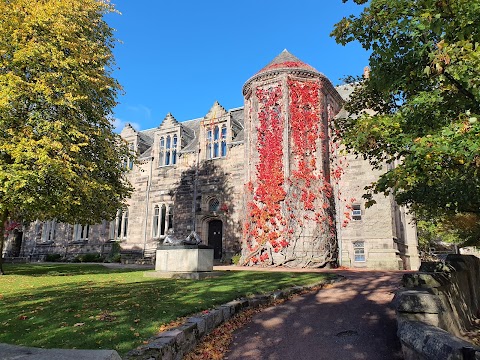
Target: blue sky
x,y
181,56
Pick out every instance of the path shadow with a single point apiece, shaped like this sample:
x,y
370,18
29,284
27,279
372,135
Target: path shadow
x,y
351,320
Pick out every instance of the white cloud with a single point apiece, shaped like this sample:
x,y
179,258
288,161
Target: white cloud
x,y
119,124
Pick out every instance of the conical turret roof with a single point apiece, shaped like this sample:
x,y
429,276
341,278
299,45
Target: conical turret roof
x,y
286,60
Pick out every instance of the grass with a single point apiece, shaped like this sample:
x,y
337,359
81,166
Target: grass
x,y
76,306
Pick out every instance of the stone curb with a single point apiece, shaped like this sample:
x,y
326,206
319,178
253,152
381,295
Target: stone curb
x,y
175,343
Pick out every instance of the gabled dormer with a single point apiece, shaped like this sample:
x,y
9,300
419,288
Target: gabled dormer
x,y
215,132
168,141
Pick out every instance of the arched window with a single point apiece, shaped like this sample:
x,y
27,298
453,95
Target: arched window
x,y
167,151
161,154
156,218
209,144
224,141
163,219
125,224
214,205
174,150
130,160
81,232
48,231
215,141
119,227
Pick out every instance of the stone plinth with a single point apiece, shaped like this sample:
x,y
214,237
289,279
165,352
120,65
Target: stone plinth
x,y
184,258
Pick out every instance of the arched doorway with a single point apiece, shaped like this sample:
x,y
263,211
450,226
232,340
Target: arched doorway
x,y
215,237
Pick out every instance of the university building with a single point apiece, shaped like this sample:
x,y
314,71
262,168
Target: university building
x,y
265,180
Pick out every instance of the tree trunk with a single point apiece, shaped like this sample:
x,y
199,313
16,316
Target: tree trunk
x,y
3,220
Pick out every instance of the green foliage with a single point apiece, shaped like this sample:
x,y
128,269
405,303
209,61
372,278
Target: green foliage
x,y
93,307
59,157
236,259
89,257
424,93
53,257
114,254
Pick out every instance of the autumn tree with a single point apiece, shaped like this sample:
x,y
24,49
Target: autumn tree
x,y
58,155
424,88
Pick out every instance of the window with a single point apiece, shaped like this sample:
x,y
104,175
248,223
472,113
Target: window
x,y
130,160
80,232
174,150
119,226
359,251
214,205
168,150
224,140
162,220
216,142
356,212
48,231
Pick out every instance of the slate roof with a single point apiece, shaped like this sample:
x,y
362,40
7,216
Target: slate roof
x,y
192,128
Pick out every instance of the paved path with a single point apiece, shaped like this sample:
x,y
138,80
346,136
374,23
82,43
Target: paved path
x,y
352,319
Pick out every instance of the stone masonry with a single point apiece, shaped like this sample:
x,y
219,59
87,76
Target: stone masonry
x,y
191,176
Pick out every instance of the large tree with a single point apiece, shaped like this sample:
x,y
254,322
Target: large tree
x,y
59,157
424,88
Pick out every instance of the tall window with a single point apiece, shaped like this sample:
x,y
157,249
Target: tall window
x,y
162,220
224,140
48,231
80,232
359,251
130,160
216,142
216,134
168,150
174,150
119,226
161,156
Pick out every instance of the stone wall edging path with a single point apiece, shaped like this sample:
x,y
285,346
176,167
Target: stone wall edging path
x,y
173,344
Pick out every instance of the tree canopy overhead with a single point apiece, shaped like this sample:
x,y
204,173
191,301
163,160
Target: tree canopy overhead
x,y
59,157
424,86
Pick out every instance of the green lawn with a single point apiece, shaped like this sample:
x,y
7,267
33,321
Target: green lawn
x,y
93,307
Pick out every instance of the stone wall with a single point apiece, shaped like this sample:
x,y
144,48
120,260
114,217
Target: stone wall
x,y
436,308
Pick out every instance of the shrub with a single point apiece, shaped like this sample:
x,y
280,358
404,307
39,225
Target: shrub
x,y
89,257
236,259
53,257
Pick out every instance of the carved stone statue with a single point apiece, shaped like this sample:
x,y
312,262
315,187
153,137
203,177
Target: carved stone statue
x,y
192,239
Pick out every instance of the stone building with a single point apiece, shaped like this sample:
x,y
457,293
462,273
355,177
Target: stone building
x,y
264,180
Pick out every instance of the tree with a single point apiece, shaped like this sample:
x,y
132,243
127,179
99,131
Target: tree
x,y
59,157
424,90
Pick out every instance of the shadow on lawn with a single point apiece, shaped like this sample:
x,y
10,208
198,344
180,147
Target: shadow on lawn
x,y
52,269
122,310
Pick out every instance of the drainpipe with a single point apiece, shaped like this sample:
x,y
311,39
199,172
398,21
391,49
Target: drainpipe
x,y
147,200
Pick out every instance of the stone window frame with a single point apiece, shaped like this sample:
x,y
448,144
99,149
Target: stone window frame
x,y
216,141
81,232
359,251
164,216
213,204
357,212
119,226
48,231
167,150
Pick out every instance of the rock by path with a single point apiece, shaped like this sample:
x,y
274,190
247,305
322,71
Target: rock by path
x,y
352,319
